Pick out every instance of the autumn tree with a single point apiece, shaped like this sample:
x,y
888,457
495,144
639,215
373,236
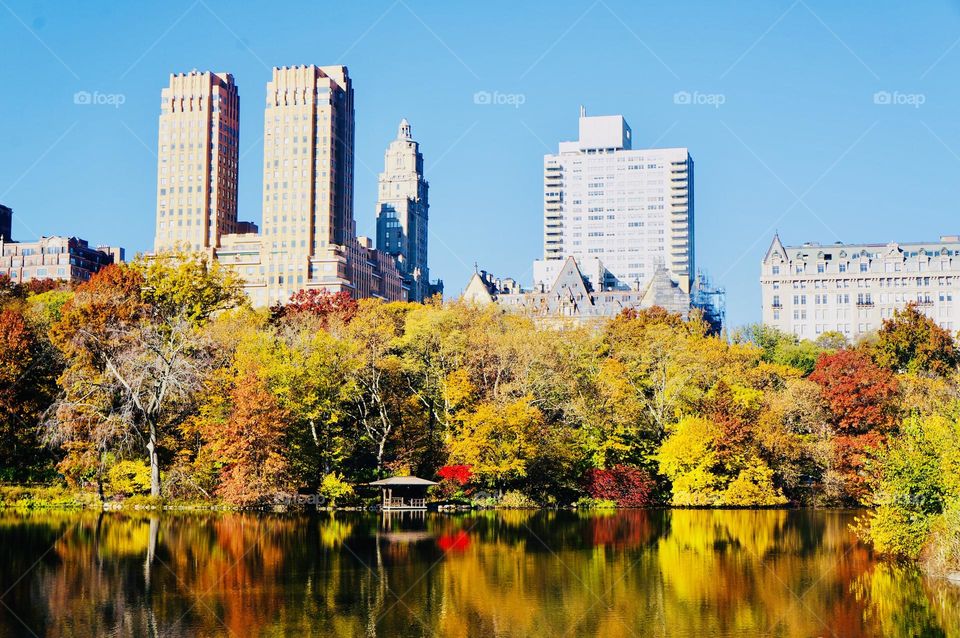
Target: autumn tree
x,y
136,354
378,403
28,371
251,445
861,402
913,342
318,302
497,441
312,375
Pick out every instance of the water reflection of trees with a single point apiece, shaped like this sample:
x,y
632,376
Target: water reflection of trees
x,y
660,573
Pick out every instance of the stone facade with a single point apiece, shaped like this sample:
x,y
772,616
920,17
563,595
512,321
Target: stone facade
x,y
64,258
571,295
851,288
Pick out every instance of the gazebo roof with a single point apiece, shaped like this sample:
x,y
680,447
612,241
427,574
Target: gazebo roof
x,y
403,481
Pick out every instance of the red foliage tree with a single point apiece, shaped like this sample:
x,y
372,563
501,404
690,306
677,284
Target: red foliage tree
x,y
319,303
460,474
626,485
861,398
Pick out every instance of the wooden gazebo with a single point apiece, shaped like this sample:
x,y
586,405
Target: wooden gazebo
x,y
404,492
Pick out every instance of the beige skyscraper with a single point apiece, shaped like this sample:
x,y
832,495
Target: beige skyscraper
x,y
308,223
197,161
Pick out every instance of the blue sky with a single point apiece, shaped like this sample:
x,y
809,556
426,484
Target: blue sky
x,y
799,143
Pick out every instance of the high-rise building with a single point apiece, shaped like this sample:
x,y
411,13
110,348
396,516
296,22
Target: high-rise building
x,y
308,179
197,161
853,288
308,235
6,223
622,213
402,211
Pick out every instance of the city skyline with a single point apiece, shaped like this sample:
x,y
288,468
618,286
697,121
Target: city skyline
x,y
755,119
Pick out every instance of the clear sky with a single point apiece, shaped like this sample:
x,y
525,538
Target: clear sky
x,y
784,119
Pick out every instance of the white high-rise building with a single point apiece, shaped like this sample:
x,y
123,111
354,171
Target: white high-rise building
x,y
402,211
621,212
852,288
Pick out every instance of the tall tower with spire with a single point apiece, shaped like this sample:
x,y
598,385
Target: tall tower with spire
x,y
402,211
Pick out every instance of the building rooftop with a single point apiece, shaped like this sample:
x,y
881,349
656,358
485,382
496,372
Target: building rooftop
x,y
948,243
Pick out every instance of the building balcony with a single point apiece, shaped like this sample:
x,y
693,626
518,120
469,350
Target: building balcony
x,y
866,303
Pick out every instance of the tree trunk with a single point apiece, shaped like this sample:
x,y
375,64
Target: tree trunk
x,y
154,462
103,498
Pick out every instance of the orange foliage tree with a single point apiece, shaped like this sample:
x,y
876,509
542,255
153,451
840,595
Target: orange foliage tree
x,y
251,445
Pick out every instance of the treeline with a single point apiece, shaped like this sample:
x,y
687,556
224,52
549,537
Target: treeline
x,y
156,377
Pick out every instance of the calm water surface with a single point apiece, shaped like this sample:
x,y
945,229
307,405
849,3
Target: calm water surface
x,y
556,574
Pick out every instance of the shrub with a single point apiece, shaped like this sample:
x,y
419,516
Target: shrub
x,y
333,487
625,485
753,487
129,478
459,474
514,500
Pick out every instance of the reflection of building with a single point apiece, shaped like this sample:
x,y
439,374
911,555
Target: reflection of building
x,y
6,223
66,258
572,295
630,209
403,211
198,156
852,288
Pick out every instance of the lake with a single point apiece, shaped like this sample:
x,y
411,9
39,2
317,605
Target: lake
x,y
669,573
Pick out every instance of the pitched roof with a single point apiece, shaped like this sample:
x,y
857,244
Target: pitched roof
x,y
569,285
403,480
776,246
